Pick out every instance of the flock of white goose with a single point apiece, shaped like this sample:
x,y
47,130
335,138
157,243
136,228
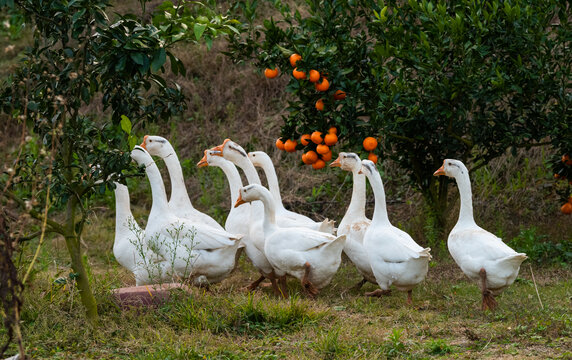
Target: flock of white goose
x,y
280,242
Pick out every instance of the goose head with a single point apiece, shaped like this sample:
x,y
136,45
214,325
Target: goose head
x,y
452,168
141,156
210,158
348,162
157,145
259,158
367,167
231,151
249,193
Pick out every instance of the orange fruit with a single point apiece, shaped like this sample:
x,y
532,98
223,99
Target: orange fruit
x,y
305,159
566,208
317,137
311,157
369,143
339,95
323,85
566,159
372,157
556,176
271,73
330,139
319,164
305,139
320,105
322,149
290,145
314,75
333,130
300,75
327,156
294,59
280,144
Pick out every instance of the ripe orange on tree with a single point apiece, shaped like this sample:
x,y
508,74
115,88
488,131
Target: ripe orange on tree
x,y
318,164
271,73
305,159
369,143
372,157
305,139
320,105
327,156
314,75
290,145
311,157
339,95
317,137
294,59
566,208
333,130
323,85
322,149
566,159
280,144
300,75
330,139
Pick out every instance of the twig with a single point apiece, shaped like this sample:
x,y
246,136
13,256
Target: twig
x,y
535,287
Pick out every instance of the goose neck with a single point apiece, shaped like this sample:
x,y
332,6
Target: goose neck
x,y
358,200
269,210
249,170
465,193
178,187
380,210
158,194
233,178
122,207
272,179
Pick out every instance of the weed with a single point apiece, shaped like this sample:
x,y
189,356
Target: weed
x,y
439,347
541,251
395,347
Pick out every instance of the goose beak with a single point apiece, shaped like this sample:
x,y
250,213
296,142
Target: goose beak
x,y
440,171
336,163
203,162
144,143
218,150
239,201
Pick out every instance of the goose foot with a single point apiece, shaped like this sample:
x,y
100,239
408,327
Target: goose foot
x,y
275,287
306,284
255,283
359,284
489,302
409,297
378,293
283,287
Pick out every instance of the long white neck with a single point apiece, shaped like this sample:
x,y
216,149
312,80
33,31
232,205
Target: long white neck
x,y
466,211
272,179
122,213
380,211
233,177
160,204
249,170
356,209
269,210
179,194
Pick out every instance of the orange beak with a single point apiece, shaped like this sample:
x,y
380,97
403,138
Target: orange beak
x,y
440,171
203,162
239,201
219,148
144,143
336,163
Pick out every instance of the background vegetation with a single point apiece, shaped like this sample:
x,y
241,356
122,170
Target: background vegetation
x,y
516,197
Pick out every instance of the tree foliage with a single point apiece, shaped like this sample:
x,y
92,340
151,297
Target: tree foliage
x,y
430,79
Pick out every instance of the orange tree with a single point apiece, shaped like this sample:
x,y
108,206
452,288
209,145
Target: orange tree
x,y
429,79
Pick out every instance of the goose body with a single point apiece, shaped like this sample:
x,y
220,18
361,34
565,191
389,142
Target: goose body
x,y
129,247
179,203
200,251
309,255
354,224
481,255
395,258
287,217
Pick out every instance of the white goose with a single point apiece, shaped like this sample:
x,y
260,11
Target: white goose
x,y
205,253
262,160
481,255
395,258
254,240
179,202
238,218
311,256
130,249
354,223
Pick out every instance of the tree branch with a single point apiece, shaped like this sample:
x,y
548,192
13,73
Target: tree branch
x,y
54,226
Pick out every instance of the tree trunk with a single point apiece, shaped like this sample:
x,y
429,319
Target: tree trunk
x,y
74,249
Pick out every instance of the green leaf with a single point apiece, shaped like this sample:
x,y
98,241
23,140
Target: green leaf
x,y
158,59
132,141
126,124
138,58
199,29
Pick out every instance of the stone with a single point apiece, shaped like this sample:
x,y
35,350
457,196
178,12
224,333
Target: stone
x,y
146,295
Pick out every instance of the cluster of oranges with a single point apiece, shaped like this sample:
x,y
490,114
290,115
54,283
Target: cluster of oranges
x,y
369,144
322,153
568,162
321,83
